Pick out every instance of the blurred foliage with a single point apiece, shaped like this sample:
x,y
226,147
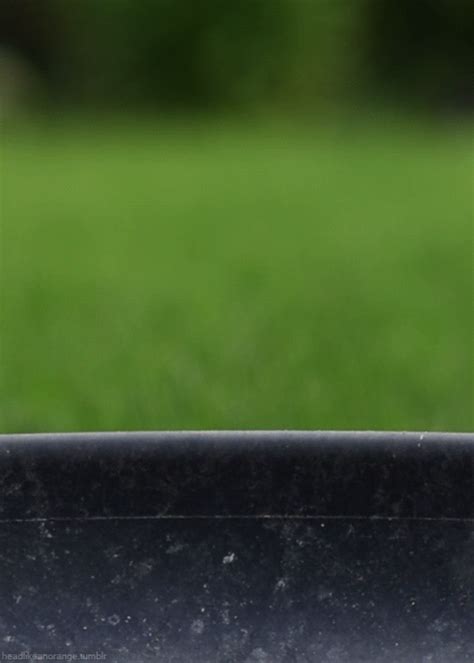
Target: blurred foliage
x,y
423,48
209,53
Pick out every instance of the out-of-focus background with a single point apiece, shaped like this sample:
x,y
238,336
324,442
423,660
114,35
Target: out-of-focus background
x,y
247,214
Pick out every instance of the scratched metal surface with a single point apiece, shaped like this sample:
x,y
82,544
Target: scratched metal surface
x,y
277,547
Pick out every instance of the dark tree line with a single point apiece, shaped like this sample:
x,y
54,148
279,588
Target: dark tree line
x,y
210,53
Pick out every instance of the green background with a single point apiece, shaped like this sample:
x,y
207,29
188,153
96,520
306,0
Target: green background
x,y
236,276
247,214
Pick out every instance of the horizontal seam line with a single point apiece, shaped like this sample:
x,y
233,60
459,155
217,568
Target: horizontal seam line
x,y
321,517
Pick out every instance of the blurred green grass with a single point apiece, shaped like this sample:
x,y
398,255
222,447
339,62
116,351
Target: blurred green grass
x,y
225,276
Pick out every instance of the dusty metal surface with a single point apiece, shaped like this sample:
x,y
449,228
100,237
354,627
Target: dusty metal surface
x,y
276,547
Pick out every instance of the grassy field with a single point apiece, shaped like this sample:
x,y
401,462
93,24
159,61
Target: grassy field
x,y
230,276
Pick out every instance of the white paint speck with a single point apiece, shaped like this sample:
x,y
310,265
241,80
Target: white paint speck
x,y
225,616
281,584
174,548
197,626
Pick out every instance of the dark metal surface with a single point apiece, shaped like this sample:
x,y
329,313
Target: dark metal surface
x,y
275,547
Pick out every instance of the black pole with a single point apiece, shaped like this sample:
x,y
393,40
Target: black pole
x,y
275,546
